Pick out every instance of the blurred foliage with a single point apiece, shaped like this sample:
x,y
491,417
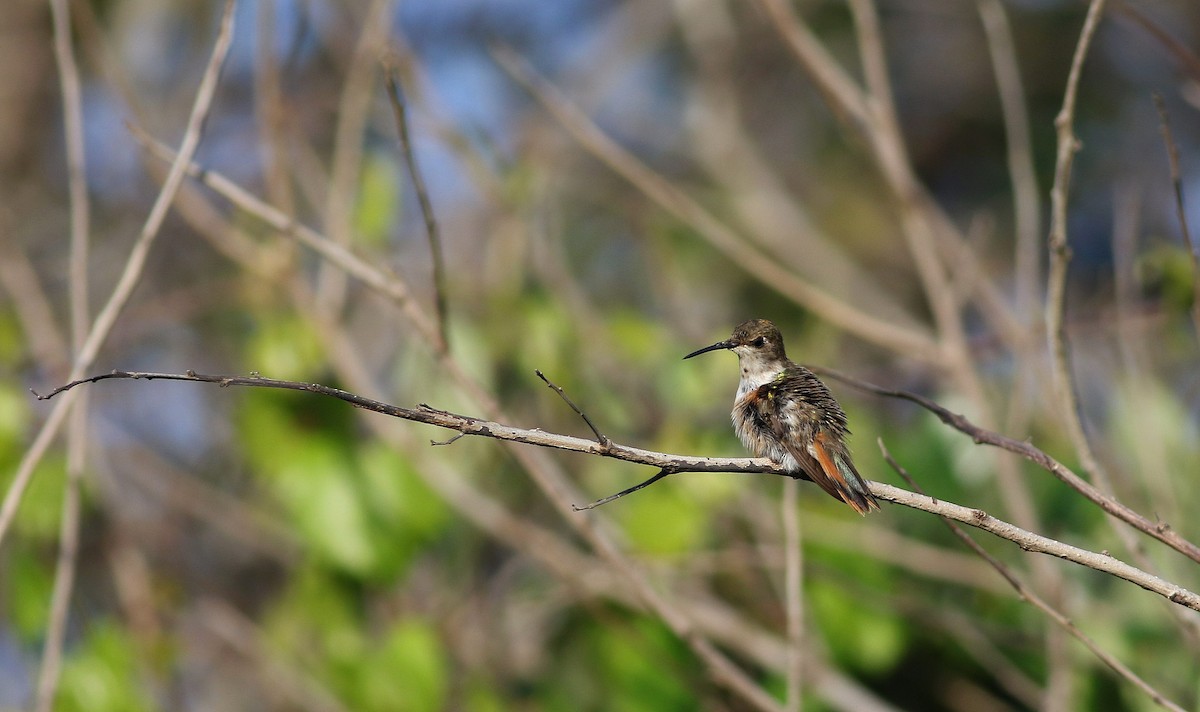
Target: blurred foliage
x,y
102,675
362,581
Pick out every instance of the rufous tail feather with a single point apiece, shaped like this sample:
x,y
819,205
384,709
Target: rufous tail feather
x,y
841,480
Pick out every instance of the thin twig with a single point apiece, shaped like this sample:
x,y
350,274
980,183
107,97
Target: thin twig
x,y
600,437
839,90
69,527
132,272
672,464
1036,601
1181,214
1187,58
630,490
1060,258
1159,530
400,111
270,113
376,278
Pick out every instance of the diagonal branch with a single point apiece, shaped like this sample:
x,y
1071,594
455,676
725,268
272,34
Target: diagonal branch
x,y
1038,602
670,463
432,233
1159,530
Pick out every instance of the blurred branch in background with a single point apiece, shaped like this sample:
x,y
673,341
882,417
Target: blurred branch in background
x,y
615,182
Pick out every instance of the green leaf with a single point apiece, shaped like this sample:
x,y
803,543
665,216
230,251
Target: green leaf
x,y
41,507
407,673
634,659
13,346
15,415
25,589
316,617
102,673
318,490
857,633
399,498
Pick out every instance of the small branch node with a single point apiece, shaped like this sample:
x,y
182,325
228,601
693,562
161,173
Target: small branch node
x,y
450,441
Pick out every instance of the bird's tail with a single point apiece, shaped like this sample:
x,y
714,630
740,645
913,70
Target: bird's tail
x,y
840,479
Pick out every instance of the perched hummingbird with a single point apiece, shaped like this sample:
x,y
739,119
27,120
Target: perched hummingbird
x,y
783,412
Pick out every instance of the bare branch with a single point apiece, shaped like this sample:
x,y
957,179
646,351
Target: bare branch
x,y
671,464
374,277
1188,60
1060,258
1037,601
1159,530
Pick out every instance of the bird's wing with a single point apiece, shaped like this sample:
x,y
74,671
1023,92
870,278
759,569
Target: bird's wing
x,y
819,451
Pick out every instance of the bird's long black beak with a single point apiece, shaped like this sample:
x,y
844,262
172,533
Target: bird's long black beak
x,y
726,344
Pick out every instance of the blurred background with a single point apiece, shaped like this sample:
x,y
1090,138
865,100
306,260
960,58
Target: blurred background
x,y
616,184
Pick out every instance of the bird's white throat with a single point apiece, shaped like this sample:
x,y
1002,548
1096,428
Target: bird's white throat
x,y
756,371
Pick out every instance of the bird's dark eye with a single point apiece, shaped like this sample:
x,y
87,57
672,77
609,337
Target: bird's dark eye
x,y
759,342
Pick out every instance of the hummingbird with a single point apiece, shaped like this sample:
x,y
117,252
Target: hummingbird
x,y
783,412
